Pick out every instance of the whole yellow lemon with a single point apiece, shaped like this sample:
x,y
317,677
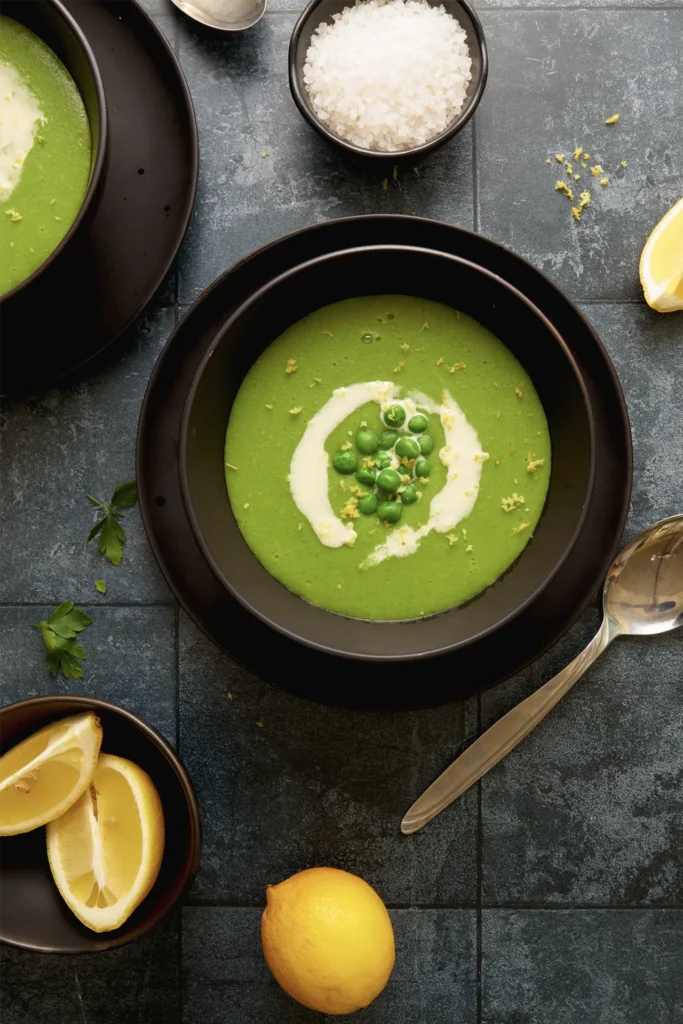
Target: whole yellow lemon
x,y
328,939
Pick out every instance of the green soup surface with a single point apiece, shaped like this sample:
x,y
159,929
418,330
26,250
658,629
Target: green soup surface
x,y
45,152
420,347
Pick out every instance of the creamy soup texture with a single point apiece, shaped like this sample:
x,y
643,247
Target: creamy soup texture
x,y
387,458
45,152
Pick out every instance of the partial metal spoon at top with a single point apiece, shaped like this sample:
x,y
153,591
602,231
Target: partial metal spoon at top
x,y
643,594
226,15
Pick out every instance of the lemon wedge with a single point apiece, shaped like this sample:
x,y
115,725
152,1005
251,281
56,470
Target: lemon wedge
x,y
44,775
105,852
661,264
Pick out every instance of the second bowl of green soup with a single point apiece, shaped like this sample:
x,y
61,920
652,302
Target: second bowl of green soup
x,y
387,453
53,123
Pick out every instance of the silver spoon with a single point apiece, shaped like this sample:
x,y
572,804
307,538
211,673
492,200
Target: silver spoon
x,y
227,15
643,594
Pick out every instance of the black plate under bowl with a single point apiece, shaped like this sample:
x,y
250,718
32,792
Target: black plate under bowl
x,y
382,270
32,913
327,678
84,301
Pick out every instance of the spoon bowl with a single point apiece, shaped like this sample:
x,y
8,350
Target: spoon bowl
x,y
225,15
643,592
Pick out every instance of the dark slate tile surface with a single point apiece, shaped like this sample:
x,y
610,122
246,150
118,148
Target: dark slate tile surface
x,y
138,984
285,785
244,108
556,77
226,976
587,810
131,660
647,353
565,967
53,449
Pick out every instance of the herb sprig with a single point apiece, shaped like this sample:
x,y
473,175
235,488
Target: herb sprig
x,y
112,537
59,632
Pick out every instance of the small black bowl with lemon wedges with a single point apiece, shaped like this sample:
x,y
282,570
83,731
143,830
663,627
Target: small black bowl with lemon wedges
x,y
99,825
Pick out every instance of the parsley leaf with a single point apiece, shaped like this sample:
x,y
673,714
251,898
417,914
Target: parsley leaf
x,y
125,495
112,537
59,632
101,586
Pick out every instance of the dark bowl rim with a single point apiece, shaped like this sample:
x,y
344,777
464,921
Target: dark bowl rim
x,y
205,364
426,147
97,166
195,845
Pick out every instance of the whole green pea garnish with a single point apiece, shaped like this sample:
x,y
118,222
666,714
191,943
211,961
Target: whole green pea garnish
x,y
409,495
387,439
366,476
418,423
389,481
395,416
345,462
367,441
389,511
426,444
368,504
422,468
383,460
407,448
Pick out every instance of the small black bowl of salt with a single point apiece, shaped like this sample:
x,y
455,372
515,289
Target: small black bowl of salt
x,y
388,77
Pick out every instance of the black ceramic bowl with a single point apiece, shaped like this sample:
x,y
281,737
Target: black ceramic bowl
x,y
51,21
32,913
323,10
386,270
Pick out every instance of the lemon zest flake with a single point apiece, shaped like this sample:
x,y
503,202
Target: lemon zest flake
x,y
533,464
512,502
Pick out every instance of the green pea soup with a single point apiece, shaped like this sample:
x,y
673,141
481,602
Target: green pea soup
x,y
45,152
427,351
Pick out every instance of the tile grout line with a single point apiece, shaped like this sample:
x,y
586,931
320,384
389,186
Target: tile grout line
x,y
564,908
475,179
581,908
559,8
198,902
91,604
611,302
552,8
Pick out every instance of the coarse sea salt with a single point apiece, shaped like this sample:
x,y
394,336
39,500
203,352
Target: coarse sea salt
x,y
388,75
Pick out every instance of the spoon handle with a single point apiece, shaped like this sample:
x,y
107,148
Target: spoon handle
x,y
502,737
